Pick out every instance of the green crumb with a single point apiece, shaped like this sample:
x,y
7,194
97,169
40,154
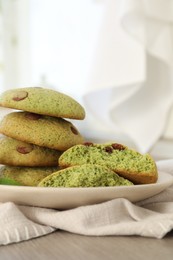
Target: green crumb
x,y
86,175
7,181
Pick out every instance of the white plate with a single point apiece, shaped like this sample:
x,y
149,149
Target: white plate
x,y
65,198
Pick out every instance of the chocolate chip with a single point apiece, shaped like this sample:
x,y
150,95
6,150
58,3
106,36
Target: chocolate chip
x,y
33,116
20,95
74,130
108,149
118,146
24,149
88,144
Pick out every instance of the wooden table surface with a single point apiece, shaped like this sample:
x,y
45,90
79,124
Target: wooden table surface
x,y
63,245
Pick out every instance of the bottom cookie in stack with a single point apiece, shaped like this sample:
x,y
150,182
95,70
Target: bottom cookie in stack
x,y
24,176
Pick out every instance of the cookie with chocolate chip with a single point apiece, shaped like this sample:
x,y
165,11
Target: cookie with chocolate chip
x,y
17,153
26,176
42,101
51,132
128,163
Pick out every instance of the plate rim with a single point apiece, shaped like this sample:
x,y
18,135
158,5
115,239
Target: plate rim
x,y
68,198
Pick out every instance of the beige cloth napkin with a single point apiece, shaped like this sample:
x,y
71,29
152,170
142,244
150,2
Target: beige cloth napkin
x,y
152,217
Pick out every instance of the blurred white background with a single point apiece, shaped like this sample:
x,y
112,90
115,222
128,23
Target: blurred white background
x,y
72,46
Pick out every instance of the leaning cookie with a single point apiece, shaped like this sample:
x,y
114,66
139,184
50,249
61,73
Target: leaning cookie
x,y
86,175
26,176
42,101
17,153
54,133
128,163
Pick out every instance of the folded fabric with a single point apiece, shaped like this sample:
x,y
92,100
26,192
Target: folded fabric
x,y
133,108
152,217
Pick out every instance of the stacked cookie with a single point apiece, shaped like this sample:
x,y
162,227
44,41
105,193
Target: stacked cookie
x,y
34,138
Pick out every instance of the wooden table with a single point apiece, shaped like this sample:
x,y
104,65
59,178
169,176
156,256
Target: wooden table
x,y
62,245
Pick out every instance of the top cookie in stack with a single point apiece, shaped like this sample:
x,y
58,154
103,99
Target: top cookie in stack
x,y
42,101
41,122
